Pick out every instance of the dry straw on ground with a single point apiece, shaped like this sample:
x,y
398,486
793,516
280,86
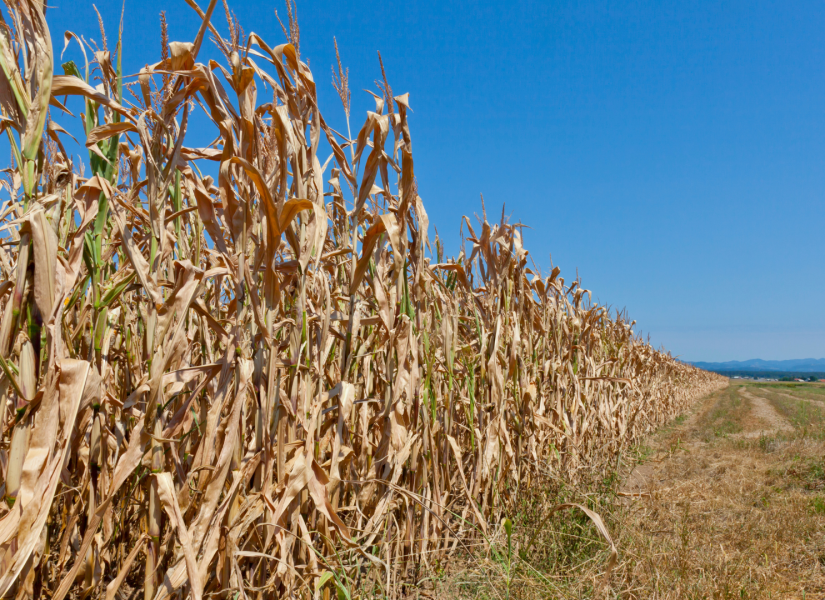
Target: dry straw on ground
x,y
258,382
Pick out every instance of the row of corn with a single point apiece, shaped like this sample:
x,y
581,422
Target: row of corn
x,y
245,370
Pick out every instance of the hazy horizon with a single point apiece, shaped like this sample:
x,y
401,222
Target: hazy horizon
x,y
719,362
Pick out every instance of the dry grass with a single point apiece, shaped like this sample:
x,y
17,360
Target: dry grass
x,y
270,382
725,520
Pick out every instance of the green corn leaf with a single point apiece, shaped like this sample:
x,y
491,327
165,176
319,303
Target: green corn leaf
x,y
114,293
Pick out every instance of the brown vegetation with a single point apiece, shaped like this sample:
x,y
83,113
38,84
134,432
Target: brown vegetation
x,y
260,383
728,503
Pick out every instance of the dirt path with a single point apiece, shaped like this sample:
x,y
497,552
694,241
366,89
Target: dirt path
x,y
728,504
792,397
761,410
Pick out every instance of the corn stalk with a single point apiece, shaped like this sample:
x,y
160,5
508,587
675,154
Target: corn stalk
x,y
263,379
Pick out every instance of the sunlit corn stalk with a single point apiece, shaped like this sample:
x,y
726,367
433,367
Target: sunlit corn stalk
x,y
241,369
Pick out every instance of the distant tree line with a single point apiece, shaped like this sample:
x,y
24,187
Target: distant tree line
x,y
780,375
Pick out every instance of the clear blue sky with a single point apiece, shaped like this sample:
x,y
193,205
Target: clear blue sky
x,y
672,152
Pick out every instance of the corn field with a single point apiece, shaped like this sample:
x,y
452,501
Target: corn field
x,y
268,381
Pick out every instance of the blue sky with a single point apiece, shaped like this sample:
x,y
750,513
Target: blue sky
x,y
672,152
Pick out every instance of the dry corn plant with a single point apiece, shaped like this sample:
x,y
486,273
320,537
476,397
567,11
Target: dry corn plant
x,y
261,384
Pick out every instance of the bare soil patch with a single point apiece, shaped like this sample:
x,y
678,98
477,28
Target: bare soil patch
x,y
763,419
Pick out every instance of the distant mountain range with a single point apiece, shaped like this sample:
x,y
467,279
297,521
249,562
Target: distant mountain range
x,y
800,365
